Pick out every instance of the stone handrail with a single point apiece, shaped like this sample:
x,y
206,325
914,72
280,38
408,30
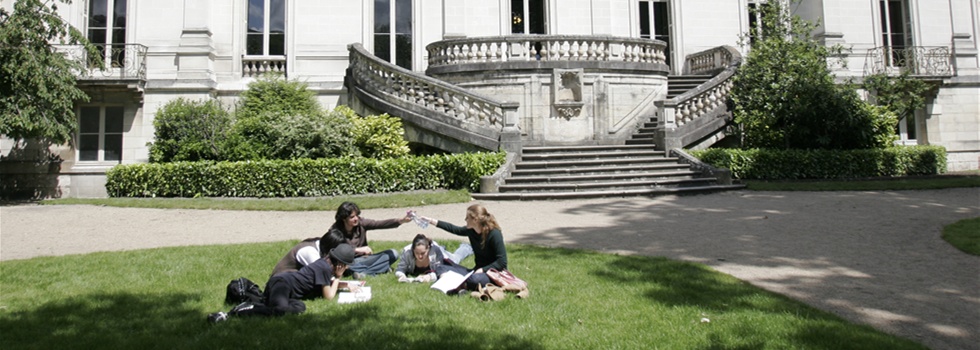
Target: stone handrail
x,y
253,66
440,100
121,61
921,61
712,61
694,114
526,48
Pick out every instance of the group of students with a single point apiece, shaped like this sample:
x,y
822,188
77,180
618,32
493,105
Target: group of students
x,y
314,267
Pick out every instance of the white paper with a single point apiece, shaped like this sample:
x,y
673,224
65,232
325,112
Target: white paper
x,y
450,280
364,294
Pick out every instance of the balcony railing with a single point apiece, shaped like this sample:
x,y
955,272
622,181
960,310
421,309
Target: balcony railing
x,y
920,61
120,61
253,66
542,48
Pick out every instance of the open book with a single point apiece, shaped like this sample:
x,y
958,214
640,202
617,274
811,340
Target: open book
x,y
450,280
360,296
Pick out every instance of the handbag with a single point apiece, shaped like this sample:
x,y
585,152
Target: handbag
x,y
504,278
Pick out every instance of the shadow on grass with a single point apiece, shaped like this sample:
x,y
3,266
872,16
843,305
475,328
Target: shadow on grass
x,y
170,322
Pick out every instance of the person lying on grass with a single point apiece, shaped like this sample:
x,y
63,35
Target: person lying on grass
x,y
284,291
307,251
424,258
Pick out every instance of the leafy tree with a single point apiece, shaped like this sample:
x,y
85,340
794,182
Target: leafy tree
x,y
37,83
281,119
379,136
785,95
189,131
901,94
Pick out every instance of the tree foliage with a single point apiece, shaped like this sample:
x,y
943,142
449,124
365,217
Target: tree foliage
x,y
189,131
281,119
785,95
37,83
901,94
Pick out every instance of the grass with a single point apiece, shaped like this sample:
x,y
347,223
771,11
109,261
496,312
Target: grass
x,y
158,299
896,184
964,235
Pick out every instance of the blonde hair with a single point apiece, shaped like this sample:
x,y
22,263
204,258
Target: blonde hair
x,y
484,220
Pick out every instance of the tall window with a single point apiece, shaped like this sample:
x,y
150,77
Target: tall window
x,y
100,134
527,17
655,23
756,9
895,26
266,28
393,31
107,31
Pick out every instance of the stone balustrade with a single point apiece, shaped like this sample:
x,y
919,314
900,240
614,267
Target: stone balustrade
x,y
431,94
919,61
544,48
711,61
112,61
254,66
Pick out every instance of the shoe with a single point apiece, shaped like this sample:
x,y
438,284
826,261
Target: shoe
x,y
358,275
241,307
217,317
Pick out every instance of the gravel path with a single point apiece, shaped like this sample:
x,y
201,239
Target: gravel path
x,y
875,258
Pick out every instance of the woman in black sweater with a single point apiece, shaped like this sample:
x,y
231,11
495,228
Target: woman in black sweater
x,y
487,241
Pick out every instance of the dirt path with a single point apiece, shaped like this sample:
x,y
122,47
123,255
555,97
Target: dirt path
x,y
871,257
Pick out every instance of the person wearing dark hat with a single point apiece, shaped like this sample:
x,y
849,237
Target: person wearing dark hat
x,y
284,290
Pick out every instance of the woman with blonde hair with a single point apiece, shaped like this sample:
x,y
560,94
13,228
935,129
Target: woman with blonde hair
x,y
485,237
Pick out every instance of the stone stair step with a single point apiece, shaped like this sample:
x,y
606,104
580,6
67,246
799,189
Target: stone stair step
x,y
584,149
533,157
592,162
627,168
576,186
528,196
599,177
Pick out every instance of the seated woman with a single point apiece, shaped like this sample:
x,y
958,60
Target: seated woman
x,y
485,238
424,258
284,291
354,228
307,251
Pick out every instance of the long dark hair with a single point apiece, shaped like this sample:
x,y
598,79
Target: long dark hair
x,y
331,240
421,239
344,211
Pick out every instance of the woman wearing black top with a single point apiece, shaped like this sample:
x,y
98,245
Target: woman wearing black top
x,y
487,241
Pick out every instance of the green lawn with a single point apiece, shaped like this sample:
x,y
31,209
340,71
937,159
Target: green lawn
x,y
159,298
964,235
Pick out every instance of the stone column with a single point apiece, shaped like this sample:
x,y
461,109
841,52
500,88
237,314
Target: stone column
x,y
195,54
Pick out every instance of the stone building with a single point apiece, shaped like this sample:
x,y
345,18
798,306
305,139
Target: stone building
x,y
485,74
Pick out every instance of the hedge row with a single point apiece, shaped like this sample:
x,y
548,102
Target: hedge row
x,y
301,177
770,164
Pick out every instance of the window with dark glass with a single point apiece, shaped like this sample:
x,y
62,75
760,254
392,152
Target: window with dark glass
x,y
107,31
393,31
655,23
266,28
895,25
100,134
528,17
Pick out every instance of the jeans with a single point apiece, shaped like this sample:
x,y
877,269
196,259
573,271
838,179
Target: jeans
x,y
374,264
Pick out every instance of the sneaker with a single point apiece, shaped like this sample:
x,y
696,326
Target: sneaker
x,y
217,317
241,307
358,275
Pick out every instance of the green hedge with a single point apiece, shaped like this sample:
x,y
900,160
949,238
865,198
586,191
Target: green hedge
x,y
770,164
302,177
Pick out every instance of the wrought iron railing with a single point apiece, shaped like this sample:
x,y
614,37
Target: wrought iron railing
x,y
253,66
922,61
113,61
521,48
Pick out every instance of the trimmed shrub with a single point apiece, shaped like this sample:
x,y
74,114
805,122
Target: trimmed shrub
x,y
774,164
189,131
377,136
301,177
281,119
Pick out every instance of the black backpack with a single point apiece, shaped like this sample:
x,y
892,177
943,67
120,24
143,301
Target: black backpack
x,y
241,290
